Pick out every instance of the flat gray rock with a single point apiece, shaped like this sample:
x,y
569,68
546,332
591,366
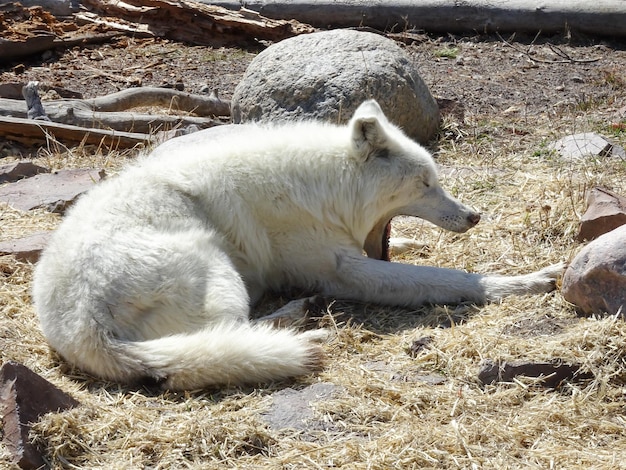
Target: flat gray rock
x,y
53,191
327,75
585,145
26,248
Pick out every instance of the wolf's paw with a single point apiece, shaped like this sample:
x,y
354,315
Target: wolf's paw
x,y
545,280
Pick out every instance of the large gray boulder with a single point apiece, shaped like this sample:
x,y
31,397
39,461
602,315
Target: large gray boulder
x,y
327,75
595,281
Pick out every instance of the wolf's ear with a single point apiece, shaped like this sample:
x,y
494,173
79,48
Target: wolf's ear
x,y
369,134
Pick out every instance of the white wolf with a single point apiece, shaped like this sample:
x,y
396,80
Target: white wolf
x,y
153,272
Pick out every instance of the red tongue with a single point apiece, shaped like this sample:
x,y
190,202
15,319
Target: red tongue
x,y
376,244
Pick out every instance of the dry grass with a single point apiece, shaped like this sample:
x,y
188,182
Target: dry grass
x,y
385,416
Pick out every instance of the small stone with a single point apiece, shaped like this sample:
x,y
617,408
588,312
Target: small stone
x,y
595,280
27,248
605,212
552,374
53,191
24,398
419,345
587,144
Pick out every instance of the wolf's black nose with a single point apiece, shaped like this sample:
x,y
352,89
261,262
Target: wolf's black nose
x,y
473,218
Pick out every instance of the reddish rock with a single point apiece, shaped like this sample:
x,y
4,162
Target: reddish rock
x,y
24,398
595,281
27,248
605,212
552,373
53,191
18,170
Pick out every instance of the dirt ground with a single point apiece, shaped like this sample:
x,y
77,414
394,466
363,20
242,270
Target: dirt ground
x,y
503,99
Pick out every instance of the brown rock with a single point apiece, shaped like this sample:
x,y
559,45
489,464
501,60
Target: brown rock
x,y
24,398
27,248
552,374
595,281
605,212
18,170
53,191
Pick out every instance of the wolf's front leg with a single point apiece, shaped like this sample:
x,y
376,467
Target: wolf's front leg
x,y
386,283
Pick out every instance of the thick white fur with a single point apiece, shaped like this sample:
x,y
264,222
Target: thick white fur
x,y
153,272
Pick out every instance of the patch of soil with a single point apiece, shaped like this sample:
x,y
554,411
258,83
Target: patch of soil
x,y
127,62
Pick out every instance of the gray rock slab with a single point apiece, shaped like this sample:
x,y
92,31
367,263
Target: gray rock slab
x,y
54,191
585,145
26,248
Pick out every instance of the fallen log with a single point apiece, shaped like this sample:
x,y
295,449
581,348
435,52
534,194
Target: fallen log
x,y
195,22
599,17
105,112
15,49
29,131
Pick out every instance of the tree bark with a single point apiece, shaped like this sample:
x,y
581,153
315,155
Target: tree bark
x,y
31,131
598,17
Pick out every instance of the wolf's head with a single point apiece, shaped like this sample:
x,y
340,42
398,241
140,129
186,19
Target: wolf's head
x,y
409,172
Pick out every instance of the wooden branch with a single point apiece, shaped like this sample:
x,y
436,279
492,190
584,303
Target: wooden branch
x,y
200,105
30,131
198,23
103,112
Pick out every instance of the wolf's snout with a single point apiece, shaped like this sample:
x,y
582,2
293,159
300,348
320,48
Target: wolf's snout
x,y
473,218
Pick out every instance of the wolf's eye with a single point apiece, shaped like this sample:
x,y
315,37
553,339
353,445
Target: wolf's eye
x,y
426,184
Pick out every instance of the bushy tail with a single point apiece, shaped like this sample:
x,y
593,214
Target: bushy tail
x,y
231,354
